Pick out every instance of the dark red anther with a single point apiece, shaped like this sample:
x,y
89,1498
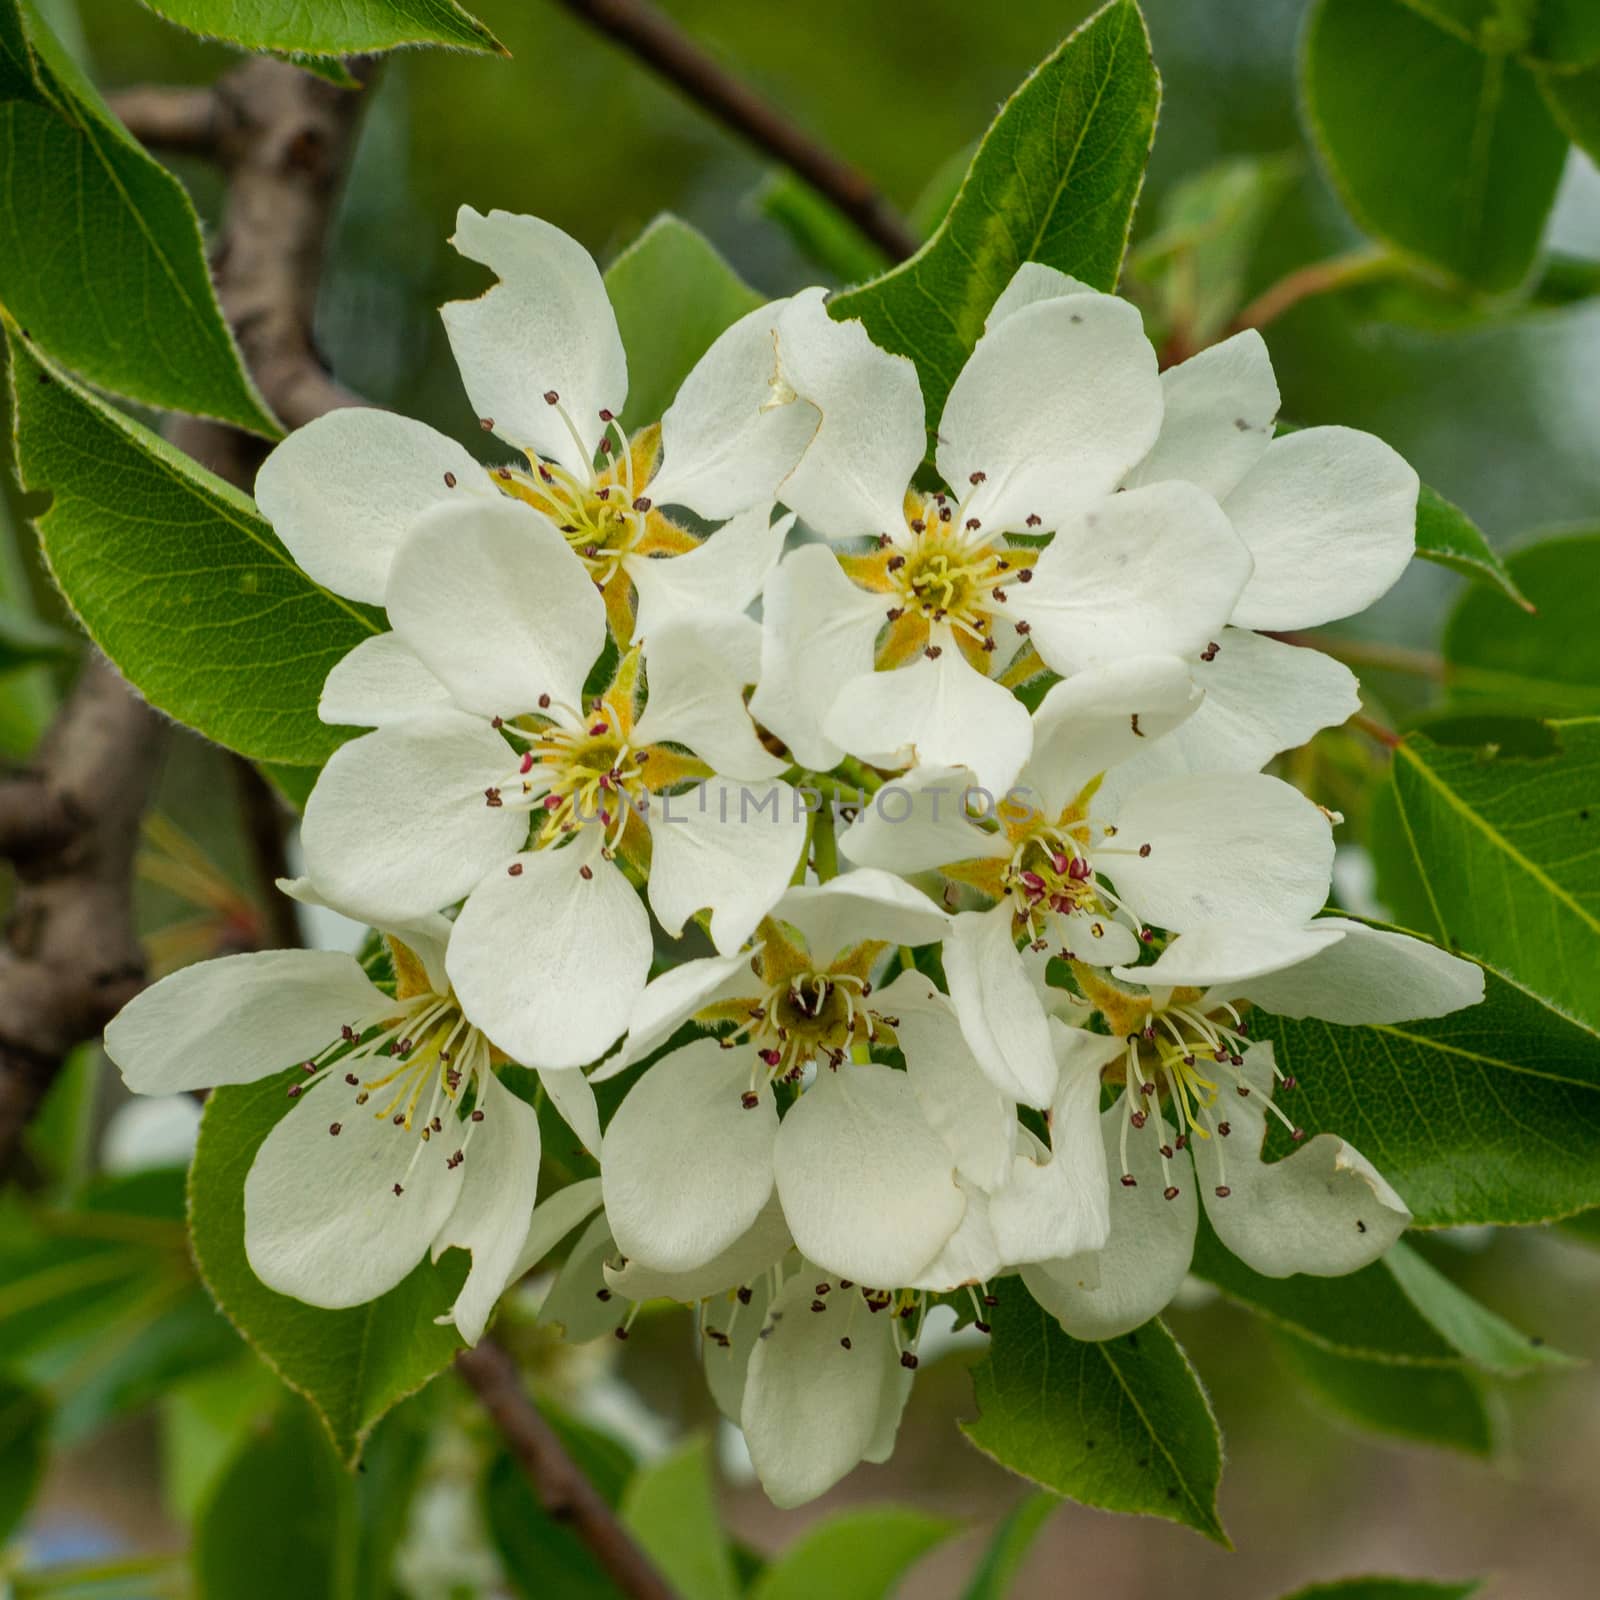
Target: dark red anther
x,y
749,1099
1224,1128
514,870
983,1327
1080,870
1139,1118
607,416
1170,1193
1297,1134
1033,520
586,873
551,397
1026,575
908,1361
1288,1083
486,423
844,1344
449,480
1223,1191
334,1127
771,1055
597,729
351,1079
977,478
1129,1181
1144,850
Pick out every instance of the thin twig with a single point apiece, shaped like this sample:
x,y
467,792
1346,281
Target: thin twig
x,y
1320,277
173,121
656,40
560,1485
266,824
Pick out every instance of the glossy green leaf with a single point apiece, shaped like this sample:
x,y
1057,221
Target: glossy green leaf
x,y
1055,180
1441,150
1447,535
1440,1406
1508,849
1585,1226
101,258
545,1559
1562,32
671,1508
1399,1309
1488,1115
673,294
355,27
857,1555
1574,101
24,1433
1387,1589
1542,663
1009,1548
1122,1424
176,576
354,1365
205,1421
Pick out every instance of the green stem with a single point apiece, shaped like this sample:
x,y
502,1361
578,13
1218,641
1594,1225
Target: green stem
x,y
1320,277
824,847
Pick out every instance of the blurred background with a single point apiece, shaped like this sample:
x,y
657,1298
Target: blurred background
x,y
1499,410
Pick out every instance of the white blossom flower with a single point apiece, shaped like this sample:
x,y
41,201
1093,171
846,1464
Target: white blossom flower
x,y
543,364
1058,403
1066,874
1192,1081
528,797
402,1140
1328,515
874,1168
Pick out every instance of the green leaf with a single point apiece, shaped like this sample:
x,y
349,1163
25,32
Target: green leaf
x,y
1008,1549
1574,101
101,258
1488,1115
1444,152
1398,1309
1446,534
353,28
828,239
673,294
1055,180
205,1421
1439,1406
1122,1424
1508,849
671,1508
24,1432
1540,663
1387,1589
176,576
24,640
1560,32
857,1555
353,1365
545,1559
1585,1226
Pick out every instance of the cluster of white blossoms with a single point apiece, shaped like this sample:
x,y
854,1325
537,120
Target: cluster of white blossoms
x,y
702,760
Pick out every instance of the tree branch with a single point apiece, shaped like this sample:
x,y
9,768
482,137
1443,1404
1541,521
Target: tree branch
x,y
650,35
561,1487
70,824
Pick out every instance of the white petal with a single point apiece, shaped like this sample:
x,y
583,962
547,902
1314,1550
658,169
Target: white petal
x,y
1261,696
1329,514
724,572
868,1188
549,963
744,1262
1100,717
545,327
687,1165
860,905
1232,952
1000,1011
500,1176
812,1407
382,680
553,1219
1367,976
1098,941
970,1254
572,1305
697,671
961,1105
343,491
237,1018
853,477
670,1000
1032,282
818,632
730,846
398,824
1054,406
1223,845
574,1101
939,712
740,1321
321,1219
920,820
497,607
1154,571
1111,1291
724,446
1324,1210
426,937
1220,409
1055,1204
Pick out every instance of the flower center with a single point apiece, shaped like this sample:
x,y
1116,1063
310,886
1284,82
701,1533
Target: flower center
x,y
410,1066
1049,873
946,570
808,1016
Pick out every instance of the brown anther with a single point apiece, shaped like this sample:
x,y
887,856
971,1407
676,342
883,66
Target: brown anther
x,y
933,652
744,1293
908,1361
514,870
477,1115
486,423
1224,1128
551,397
602,1294
449,480
1170,1194
334,1127
844,1344
1223,1191
1033,520
1129,1181
1144,850
1026,575
749,1099
642,503
586,872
